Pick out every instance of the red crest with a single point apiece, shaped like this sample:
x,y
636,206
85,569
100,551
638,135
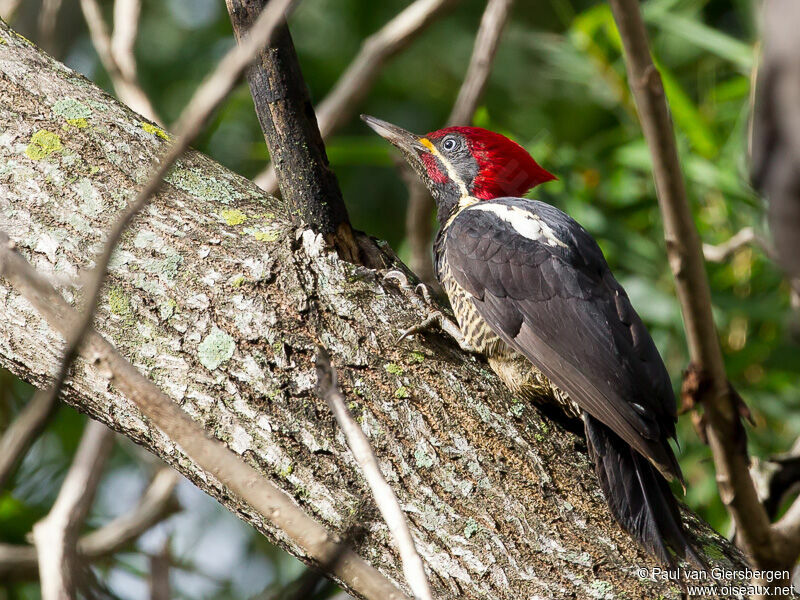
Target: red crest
x,y
504,167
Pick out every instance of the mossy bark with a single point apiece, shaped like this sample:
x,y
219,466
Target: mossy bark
x,y
215,297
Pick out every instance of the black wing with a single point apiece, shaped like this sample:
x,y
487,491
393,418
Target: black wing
x,y
552,297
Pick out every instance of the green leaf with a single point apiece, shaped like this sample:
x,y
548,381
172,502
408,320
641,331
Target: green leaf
x,y
705,37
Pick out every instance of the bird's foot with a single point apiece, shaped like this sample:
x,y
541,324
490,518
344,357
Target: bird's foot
x,y
438,320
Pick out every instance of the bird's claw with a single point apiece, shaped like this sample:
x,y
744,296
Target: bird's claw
x,y
435,318
426,325
399,277
424,291
446,325
402,281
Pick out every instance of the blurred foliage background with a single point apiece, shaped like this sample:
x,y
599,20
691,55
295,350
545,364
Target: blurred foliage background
x,y
558,87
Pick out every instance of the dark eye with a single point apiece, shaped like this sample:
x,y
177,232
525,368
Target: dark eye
x,y
449,144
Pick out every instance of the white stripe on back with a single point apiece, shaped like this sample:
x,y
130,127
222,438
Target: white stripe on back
x,y
525,222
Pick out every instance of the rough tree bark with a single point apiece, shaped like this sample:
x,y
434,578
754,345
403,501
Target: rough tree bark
x,y
218,300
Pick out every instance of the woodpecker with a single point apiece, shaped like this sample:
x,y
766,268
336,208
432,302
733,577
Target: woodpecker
x,y
532,292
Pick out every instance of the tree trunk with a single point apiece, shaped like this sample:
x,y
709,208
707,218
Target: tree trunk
x,y
221,303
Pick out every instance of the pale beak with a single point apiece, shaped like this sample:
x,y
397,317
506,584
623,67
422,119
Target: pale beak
x,y
405,140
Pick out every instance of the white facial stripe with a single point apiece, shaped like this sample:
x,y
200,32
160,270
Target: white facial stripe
x,y
525,222
451,172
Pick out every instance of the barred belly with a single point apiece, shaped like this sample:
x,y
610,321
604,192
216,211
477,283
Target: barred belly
x,y
515,371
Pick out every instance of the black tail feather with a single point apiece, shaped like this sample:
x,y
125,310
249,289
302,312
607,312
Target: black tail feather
x,y
638,495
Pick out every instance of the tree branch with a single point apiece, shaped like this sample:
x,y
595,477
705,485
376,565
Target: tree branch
x,y
48,16
287,119
8,9
55,536
159,574
123,40
156,504
487,40
342,101
723,427
217,460
775,142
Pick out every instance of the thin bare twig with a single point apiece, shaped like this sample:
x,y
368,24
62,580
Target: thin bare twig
x,y
56,535
775,142
342,101
211,455
116,51
413,567
419,231
156,504
123,39
48,16
744,237
308,582
28,425
487,40
722,421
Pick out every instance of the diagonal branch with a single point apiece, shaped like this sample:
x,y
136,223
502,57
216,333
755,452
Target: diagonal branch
x,y
420,204
56,535
123,40
342,101
723,427
413,568
205,100
216,459
487,40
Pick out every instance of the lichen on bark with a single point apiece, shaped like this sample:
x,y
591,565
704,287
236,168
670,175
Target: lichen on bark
x,y
218,300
